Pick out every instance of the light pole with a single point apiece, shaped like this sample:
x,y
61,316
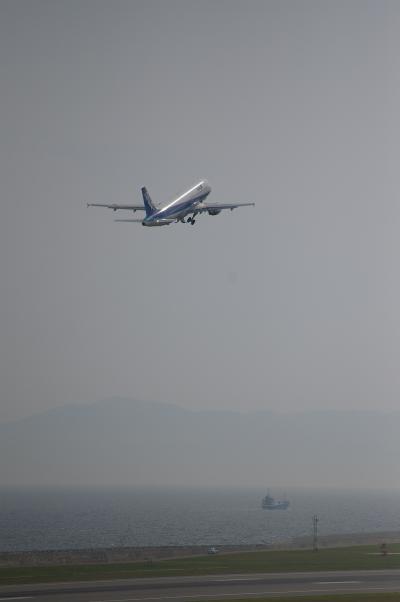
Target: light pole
x,y
315,533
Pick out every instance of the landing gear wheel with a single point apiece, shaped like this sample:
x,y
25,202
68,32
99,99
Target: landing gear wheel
x,y
192,221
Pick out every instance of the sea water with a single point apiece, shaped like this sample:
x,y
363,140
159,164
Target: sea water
x,y
50,519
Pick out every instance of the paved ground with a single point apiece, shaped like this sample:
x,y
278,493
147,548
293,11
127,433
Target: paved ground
x,y
188,589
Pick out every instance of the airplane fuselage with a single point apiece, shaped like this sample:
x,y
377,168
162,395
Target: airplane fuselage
x,y
180,207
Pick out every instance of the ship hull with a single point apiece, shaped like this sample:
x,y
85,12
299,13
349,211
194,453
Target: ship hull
x,y
270,504
276,506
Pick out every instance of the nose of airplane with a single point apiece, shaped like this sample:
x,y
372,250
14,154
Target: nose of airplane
x,y
206,185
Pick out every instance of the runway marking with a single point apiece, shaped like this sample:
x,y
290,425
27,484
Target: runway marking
x,y
335,582
17,598
239,594
230,580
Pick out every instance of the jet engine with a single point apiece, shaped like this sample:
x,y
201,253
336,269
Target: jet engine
x,y
214,211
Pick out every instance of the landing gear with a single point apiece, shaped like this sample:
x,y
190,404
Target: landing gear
x,y
191,220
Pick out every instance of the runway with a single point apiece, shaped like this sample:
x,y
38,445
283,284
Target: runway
x,y
224,587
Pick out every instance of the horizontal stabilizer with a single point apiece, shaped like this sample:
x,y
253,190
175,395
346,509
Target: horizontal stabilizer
x,y
129,220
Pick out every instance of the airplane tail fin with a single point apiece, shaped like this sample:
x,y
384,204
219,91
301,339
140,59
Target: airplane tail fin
x,y
148,203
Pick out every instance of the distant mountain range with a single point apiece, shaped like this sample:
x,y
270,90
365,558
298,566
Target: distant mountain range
x,y
125,442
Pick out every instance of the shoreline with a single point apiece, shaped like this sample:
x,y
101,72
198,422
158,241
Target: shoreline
x,y
151,553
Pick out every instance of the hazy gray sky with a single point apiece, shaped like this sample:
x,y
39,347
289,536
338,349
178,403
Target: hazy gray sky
x,y
292,104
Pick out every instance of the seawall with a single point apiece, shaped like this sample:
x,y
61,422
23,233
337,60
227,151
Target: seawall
x,y
150,554
112,555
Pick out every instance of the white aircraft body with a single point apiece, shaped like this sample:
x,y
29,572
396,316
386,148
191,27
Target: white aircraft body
x,y
187,205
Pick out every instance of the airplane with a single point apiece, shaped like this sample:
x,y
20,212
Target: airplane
x,y
187,205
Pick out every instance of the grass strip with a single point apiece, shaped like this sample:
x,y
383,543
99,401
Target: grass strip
x,y
329,559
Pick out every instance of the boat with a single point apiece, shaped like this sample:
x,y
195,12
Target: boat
x,y
269,503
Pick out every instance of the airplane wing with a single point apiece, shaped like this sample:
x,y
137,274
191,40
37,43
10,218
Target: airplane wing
x,y
114,206
217,207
